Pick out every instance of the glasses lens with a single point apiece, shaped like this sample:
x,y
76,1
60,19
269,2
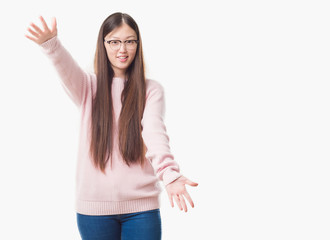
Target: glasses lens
x,y
131,44
115,45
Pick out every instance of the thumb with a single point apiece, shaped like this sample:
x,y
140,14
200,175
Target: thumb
x,y
191,183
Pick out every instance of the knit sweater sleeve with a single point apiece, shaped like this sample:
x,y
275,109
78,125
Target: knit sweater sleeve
x,y
74,79
155,136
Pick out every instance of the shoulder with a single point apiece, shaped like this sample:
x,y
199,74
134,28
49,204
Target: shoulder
x,y
155,97
154,87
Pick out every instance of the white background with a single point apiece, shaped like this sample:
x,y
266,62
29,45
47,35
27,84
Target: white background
x,y
247,94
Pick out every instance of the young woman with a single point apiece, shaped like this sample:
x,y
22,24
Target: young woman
x,y
124,148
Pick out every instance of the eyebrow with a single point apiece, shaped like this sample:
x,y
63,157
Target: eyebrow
x,y
126,38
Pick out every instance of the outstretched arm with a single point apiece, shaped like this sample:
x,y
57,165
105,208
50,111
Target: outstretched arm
x,y
75,81
158,150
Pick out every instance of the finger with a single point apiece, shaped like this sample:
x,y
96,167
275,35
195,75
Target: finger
x,y
191,183
36,28
54,24
171,200
187,196
31,38
183,203
177,200
44,24
33,33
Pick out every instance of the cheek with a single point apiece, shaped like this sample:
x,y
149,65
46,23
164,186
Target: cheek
x,y
111,55
132,55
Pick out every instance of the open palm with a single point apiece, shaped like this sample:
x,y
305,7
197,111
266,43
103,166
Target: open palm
x,y
39,35
178,191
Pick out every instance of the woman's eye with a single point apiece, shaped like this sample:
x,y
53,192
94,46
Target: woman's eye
x,y
129,41
114,42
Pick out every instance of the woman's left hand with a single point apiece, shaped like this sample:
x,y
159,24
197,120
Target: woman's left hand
x,y
177,190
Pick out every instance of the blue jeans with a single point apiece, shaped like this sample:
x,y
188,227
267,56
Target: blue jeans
x,y
133,226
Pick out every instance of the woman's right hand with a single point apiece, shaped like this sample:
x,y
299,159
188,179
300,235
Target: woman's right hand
x,y
40,36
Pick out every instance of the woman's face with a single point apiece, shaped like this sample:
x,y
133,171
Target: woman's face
x,y
121,54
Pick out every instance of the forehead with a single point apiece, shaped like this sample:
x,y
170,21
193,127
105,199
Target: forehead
x,y
122,32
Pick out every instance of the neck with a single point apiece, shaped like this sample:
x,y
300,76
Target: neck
x,y
120,74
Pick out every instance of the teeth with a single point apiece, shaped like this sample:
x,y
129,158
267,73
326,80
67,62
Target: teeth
x,y
122,57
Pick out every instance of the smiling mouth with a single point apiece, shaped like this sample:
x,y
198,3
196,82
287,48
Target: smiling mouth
x,y
122,59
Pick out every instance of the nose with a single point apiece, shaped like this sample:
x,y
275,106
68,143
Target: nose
x,y
122,47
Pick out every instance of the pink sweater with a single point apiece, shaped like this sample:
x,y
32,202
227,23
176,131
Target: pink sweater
x,y
122,189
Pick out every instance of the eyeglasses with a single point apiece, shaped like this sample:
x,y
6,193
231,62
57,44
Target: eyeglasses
x,y
116,44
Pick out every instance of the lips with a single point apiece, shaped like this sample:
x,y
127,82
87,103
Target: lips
x,y
122,58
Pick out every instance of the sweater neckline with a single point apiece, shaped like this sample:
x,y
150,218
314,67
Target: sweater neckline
x,y
118,78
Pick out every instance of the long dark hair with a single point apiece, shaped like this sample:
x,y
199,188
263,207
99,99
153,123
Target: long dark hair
x,y
133,100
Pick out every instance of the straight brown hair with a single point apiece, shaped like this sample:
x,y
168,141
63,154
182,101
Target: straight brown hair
x,y
133,100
